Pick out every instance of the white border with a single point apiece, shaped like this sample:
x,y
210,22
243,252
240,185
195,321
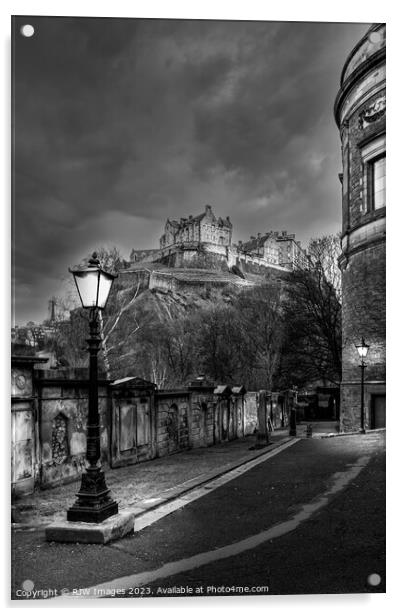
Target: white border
x,y
340,11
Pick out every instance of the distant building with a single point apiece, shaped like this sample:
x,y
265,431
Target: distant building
x,y
360,116
277,248
263,246
205,227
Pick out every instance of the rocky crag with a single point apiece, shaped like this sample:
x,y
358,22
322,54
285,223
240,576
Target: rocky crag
x,y
148,296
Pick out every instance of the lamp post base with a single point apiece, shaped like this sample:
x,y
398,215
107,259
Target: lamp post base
x,y
261,442
112,529
93,503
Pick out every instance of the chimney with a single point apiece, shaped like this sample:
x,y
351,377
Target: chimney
x,y
208,209
284,232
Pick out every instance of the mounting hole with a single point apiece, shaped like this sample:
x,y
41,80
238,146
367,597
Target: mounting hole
x,y
374,579
28,585
375,37
27,30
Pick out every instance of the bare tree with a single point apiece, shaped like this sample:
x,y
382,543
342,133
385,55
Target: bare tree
x,y
312,310
110,258
216,343
324,253
259,316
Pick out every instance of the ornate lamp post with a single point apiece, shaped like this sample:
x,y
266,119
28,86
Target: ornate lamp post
x,y
362,349
93,503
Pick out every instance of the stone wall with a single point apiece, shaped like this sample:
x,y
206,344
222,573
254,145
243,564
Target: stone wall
x,y
24,426
49,415
202,418
172,424
211,256
62,411
364,313
133,421
250,413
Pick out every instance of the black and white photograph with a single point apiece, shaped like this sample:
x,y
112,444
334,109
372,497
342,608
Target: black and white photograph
x,y
198,330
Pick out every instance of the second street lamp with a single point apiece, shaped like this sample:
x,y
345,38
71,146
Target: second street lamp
x,y
362,349
94,503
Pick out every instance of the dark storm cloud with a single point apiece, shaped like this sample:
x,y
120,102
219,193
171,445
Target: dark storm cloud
x,y
122,123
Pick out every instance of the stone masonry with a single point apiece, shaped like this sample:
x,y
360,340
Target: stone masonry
x,y
138,422
360,115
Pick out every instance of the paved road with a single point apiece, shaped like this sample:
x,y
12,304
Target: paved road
x,y
332,491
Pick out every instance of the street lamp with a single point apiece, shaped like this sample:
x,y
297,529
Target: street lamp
x,y
362,349
93,504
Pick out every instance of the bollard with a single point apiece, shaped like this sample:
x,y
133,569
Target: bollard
x,y
309,431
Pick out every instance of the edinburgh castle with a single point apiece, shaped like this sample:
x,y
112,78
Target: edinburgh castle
x,y
204,242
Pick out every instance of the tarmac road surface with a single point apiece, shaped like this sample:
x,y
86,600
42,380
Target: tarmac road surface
x,y
309,520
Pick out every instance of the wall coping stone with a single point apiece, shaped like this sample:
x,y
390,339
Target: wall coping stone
x,y
27,360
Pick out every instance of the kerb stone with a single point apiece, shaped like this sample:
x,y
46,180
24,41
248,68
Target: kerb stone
x,y
113,528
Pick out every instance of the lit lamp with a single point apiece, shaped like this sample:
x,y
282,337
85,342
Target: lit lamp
x,y
93,504
362,349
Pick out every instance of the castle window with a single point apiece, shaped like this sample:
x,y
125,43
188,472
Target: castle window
x,y
373,160
376,170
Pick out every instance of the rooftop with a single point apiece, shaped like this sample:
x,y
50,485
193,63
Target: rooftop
x,y
372,42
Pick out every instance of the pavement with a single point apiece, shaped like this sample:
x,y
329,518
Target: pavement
x,y
306,518
145,486
319,428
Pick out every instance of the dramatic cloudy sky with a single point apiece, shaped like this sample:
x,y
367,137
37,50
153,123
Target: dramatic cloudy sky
x,y
120,124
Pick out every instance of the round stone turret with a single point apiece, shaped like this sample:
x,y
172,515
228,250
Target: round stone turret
x,y
360,108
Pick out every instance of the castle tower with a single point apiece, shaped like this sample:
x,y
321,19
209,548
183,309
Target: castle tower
x,y
360,116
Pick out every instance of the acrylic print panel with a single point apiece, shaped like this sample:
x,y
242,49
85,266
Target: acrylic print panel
x,y
211,430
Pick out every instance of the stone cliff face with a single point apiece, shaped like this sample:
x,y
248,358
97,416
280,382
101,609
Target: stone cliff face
x,y
147,300
135,312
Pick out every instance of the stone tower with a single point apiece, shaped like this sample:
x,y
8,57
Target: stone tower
x,y
360,116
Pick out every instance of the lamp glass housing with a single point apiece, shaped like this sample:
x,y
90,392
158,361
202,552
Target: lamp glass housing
x,y
362,349
93,285
105,284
